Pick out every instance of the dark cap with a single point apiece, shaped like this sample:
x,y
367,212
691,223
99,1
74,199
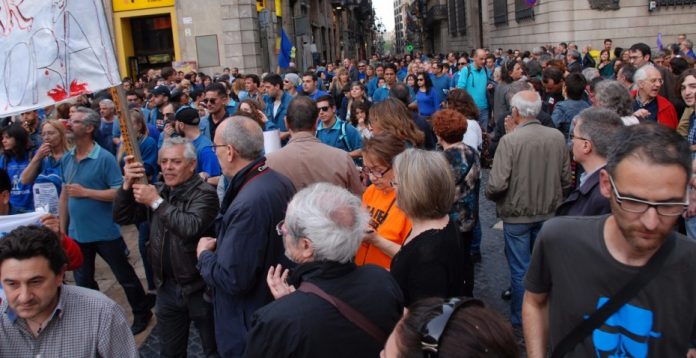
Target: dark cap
x,y
187,115
161,90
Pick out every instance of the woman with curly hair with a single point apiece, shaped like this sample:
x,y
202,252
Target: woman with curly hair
x,y
391,116
254,110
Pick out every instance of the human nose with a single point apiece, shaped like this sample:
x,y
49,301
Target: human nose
x,y
24,294
650,218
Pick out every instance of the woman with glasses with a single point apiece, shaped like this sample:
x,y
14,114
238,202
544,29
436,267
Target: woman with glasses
x,y
388,226
427,100
450,126
429,263
44,168
451,328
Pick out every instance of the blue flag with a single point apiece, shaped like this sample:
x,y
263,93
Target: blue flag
x,y
285,50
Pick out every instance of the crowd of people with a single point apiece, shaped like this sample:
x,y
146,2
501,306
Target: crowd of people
x,y
360,235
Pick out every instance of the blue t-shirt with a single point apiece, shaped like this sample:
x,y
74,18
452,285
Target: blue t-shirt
x,y
441,85
428,103
21,197
91,220
335,137
207,160
475,83
380,95
372,86
317,94
106,135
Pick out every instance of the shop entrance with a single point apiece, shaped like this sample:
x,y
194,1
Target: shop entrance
x,y
153,42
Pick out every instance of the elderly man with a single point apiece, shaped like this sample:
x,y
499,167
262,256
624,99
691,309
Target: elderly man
x,y
305,160
247,244
91,176
180,210
649,105
323,228
574,64
590,141
105,138
640,55
581,263
530,174
41,316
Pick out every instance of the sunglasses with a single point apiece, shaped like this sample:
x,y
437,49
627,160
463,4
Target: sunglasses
x,y
462,64
210,100
324,109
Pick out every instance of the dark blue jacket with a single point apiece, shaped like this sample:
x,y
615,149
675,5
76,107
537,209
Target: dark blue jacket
x,y
587,200
278,121
247,245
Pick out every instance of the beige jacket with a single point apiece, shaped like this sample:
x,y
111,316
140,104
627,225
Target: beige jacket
x,y
530,174
305,161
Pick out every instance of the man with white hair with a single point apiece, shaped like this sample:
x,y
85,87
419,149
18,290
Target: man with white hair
x,y
234,263
323,228
649,105
530,174
105,137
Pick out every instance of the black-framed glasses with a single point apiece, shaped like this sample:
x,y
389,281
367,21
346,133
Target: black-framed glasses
x,y
432,331
639,206
324,109
573,136
377,175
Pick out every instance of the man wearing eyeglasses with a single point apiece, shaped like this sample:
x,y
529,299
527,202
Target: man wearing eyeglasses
x,y
580,262
590,141
649,105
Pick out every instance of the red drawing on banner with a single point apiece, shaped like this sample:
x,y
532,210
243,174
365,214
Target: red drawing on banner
x,y
76,88
11,16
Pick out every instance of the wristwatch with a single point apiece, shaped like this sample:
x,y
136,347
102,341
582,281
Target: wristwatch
x,y
156,204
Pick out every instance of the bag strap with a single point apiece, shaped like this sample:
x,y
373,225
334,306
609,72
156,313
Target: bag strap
x,y
627,292
347,311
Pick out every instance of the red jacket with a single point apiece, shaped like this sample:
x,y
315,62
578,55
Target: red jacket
x,y
73,252
666,114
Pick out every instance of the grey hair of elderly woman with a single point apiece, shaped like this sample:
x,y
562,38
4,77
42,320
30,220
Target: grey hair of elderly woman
x,y
331,218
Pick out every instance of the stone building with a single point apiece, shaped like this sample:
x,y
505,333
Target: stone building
x,y
456,25
212,34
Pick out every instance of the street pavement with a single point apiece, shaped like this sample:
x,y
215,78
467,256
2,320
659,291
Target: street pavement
x,y
492,277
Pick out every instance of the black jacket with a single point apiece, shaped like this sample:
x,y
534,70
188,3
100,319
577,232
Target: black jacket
x,y
304,325
587,200
176,226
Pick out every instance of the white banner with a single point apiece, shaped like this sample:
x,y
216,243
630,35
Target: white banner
x,y
52,50
11,222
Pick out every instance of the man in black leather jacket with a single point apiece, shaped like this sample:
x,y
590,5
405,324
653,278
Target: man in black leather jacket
x,y
180,210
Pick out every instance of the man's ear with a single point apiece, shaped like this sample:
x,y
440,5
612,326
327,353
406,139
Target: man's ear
x,y
604,183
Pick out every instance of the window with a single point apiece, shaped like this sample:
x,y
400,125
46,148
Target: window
x,y
523,10
456,17
500,16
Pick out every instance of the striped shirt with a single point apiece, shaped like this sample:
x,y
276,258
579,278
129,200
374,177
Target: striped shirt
x,y
85,323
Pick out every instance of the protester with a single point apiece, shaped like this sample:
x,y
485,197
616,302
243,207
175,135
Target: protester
x,y
614,96
246,244
41,316
427,99
645,179
474,79
454,327
180,211
334,131
305,160
392,117
590,141
15,158
564,111
323,227
649,105
526,190
389,226
429,263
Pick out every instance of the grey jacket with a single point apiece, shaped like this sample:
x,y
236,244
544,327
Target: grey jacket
x,y
530,174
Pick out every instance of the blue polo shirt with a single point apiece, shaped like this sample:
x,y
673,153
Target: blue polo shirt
x,y
334,137
207,161
91,220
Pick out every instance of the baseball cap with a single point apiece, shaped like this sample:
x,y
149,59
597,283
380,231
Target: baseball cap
x,y
161,90
187,115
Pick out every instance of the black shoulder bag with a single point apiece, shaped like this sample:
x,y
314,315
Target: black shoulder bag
x,y
627,292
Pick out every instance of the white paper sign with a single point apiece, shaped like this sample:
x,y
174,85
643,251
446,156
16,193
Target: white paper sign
x,y
51,51
46,197
271,141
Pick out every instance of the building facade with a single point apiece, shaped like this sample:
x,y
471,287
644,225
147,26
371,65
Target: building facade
x,y
212,35
459,25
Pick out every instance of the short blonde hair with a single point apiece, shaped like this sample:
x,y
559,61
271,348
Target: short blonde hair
x,y
425,184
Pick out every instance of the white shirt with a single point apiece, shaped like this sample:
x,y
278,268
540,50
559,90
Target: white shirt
x,y
473,136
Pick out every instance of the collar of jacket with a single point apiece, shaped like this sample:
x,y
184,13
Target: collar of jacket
x,y
319,270
529,122
168,192
240,179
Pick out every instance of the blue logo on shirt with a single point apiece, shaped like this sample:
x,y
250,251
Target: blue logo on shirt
x,y
626,333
